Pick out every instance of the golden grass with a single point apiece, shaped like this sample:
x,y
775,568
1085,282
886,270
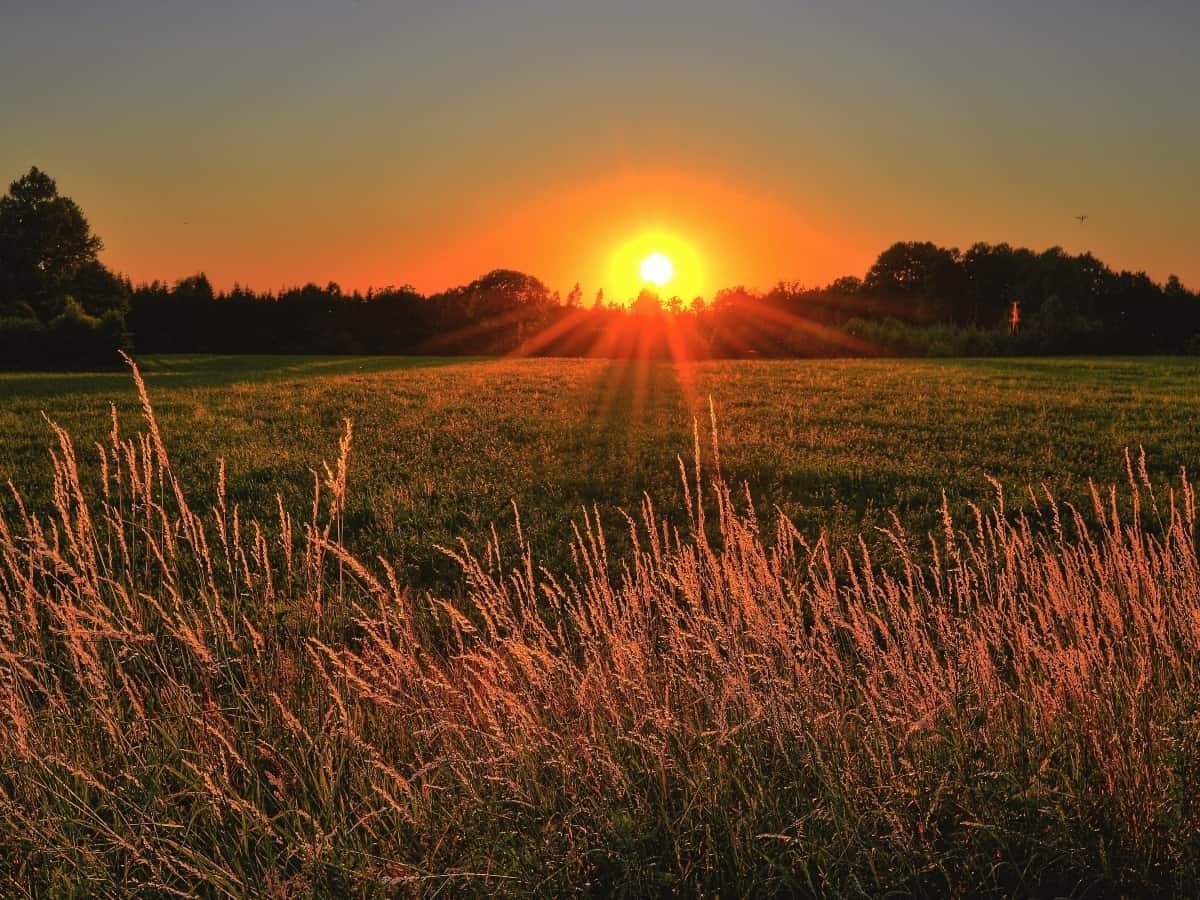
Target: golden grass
x,y
197,703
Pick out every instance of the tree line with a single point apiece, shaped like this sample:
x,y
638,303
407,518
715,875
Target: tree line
x,y
59,305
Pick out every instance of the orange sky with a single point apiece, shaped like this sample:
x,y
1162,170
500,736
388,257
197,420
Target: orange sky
x,y
428,142
592,224
598,232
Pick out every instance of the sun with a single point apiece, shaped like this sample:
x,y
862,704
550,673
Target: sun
x,y
657,269
658,258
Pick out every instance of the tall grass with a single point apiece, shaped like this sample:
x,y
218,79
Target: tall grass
x,y
196,703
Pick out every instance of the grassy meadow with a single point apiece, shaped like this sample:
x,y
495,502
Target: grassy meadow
x,y
444,447
213,685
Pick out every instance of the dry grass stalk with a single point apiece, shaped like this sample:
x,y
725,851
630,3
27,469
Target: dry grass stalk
x,y
197,703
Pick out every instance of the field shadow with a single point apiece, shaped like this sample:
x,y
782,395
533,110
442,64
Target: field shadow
x,y
200,371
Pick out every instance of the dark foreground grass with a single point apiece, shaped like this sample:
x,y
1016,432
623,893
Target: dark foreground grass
x,y
195,705
444,447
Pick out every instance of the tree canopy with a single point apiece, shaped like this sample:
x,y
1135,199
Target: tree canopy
x,y
60,304
57,300
45,243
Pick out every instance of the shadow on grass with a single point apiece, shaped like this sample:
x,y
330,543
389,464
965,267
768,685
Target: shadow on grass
x,y
211,371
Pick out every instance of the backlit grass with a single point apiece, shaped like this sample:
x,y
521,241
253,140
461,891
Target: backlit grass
x,y
443,447
195,702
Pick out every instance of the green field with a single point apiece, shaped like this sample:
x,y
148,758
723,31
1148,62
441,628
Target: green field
x,y
712,702
443,447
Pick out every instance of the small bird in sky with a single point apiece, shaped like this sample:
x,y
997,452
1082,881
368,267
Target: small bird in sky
x,y
1082,218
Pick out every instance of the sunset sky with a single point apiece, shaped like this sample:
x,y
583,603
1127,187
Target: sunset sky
x,y
373,143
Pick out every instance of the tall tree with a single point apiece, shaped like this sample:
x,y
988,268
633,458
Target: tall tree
x,y
926,278
45,241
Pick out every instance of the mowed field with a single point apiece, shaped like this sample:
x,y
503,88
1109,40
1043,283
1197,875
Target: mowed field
x,y
444,447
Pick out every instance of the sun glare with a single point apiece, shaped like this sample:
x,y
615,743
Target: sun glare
x,y
657,269
659,259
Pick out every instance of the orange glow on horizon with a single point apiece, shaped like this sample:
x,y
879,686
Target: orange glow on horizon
x,y
596,231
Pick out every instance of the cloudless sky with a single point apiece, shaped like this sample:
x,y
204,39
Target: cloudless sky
x,y
273,142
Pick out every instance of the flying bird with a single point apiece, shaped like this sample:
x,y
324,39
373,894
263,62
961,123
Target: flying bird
x,y
1082,218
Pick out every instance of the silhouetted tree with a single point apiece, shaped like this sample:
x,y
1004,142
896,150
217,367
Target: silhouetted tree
x,y
924,276
44,243
99,291
58,303
996,276
1068,304
646,304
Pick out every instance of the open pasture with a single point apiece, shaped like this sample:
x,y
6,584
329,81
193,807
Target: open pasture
x,y
723,704
444,447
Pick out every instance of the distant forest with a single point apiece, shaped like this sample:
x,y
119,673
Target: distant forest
x,y
59,305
